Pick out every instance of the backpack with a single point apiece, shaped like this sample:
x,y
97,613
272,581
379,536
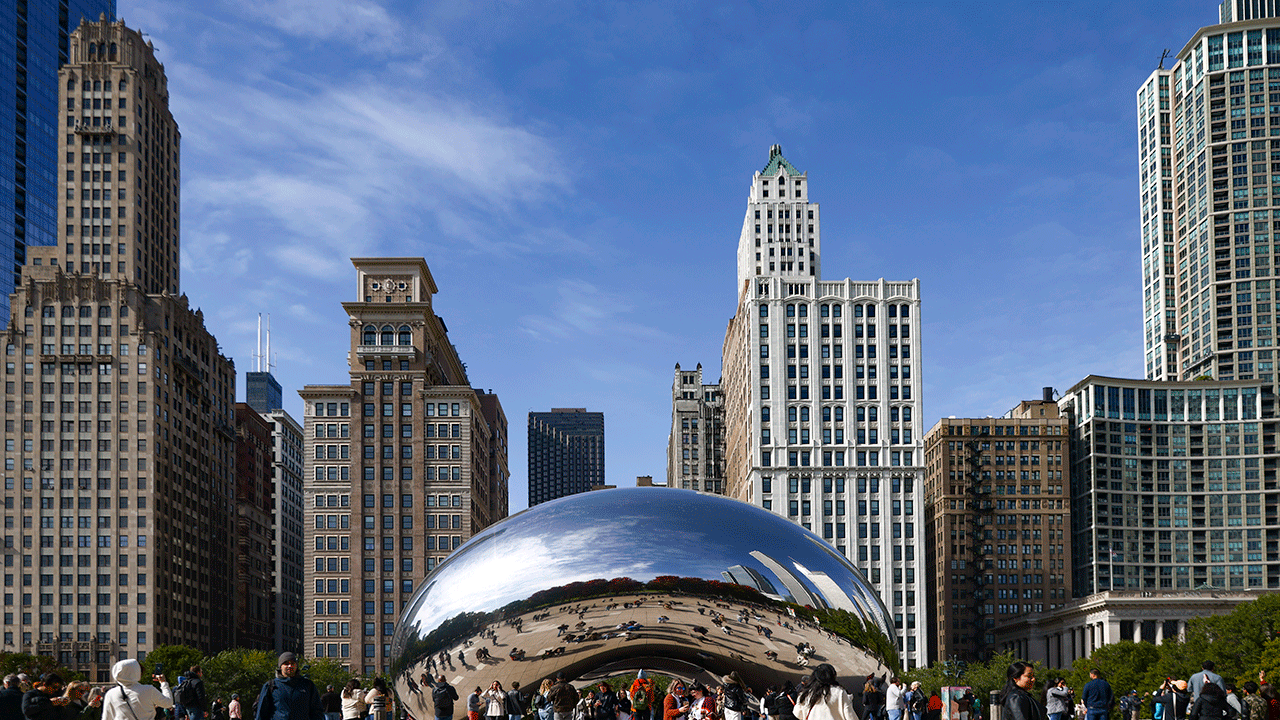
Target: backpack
x,y
1157,710
187,693
918,704
640,699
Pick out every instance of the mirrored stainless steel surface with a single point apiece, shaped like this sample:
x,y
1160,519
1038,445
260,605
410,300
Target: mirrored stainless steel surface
x,y
613,581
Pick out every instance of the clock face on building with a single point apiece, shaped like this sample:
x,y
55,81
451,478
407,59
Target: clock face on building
x,y
388,284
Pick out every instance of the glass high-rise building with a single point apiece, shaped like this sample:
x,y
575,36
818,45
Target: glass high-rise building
x,y
1209,168
34,40
566,453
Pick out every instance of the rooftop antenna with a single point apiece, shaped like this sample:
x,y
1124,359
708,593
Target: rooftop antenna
x,y
257,356
270,364
1162,57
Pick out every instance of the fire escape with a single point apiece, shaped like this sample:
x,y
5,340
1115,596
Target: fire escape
x,y
979,513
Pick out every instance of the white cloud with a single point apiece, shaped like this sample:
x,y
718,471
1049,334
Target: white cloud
x,y
583,309
360,22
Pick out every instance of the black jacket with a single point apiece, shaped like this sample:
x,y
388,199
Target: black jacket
x,y
36,706
10,704
443,695
202,699
1019,705
608,704
1212,708
1175,704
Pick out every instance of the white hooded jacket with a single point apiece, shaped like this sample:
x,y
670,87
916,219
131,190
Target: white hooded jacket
x,y
129,699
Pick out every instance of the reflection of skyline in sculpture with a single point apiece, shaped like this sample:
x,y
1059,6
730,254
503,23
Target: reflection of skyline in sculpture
x,y
612,582
742,575
800,595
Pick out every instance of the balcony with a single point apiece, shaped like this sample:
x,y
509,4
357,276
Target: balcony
x,y
387,351
83,128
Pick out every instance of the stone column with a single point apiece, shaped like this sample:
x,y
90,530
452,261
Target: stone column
x,y
1111,631
1159,632
1137,630
1182,631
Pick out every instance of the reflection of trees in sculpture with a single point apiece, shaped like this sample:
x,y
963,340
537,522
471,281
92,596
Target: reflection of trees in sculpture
x,y
859,634
451,631
851,627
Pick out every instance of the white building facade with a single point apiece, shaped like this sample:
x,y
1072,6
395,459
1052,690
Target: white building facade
x,y
822,399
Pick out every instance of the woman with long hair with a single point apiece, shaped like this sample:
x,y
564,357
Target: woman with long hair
x,y
495,701
1016,697
378,698
825,698
542,700
353,707
675,706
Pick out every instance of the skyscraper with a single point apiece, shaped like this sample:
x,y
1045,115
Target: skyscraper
x,y
566,453
30,120
120,454
695,448
1208,133
118,156
822,426
286,530
400,465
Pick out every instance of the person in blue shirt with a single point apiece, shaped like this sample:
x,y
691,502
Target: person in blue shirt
x,y
1097,696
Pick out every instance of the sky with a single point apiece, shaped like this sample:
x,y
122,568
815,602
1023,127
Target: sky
x,y
575,175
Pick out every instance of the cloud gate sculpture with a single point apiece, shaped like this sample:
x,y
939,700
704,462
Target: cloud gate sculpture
x,y
614,581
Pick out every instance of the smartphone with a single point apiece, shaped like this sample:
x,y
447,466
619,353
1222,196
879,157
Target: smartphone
x,y
159,669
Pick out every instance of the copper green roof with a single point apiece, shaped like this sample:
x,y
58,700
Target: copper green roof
x,y
777,163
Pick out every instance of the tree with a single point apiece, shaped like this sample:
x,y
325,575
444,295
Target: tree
x,y
326,671
1126,665
34,666
240,672
176,660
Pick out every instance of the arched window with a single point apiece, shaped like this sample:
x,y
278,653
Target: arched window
x,y
93,49
104,311
71,83
111,54
406,337
48,311
86,86
123,83
388,335
370,335
97,84
106,85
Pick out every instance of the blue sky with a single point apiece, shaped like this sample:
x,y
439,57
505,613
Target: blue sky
x,y
576,174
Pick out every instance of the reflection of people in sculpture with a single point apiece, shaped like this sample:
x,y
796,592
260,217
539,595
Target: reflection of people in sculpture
x,y
443,696
825,699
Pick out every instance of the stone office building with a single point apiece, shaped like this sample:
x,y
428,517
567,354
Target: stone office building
x,y
402,463
119,472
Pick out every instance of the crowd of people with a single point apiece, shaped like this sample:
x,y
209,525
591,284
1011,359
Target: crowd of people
x,y
1203,696
288,696
818,696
